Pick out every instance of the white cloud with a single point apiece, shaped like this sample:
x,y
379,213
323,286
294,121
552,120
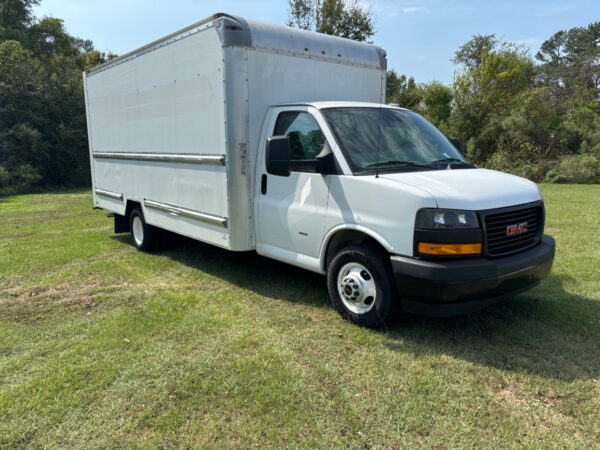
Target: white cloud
x,y
415,9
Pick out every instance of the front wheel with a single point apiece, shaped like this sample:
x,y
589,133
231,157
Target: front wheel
x,y
362,288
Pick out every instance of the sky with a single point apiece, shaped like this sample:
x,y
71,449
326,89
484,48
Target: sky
x,y
420,36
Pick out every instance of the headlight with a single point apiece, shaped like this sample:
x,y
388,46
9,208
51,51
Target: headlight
x,y
445,219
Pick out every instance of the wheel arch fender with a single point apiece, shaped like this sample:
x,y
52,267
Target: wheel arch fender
x,y
346,234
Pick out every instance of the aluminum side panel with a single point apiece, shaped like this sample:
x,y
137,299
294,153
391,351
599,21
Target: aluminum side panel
x,y
161,115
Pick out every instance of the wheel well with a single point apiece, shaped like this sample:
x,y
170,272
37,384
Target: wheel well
x,y
122,221
130,205
344,238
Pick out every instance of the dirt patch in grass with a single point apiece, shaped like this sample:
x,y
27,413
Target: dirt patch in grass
x,y
16,236
35,304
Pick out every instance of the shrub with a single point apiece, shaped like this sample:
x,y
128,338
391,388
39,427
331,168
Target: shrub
x,y
584,169
3,177
534,171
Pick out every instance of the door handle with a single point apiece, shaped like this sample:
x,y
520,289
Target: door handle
x,y
263,184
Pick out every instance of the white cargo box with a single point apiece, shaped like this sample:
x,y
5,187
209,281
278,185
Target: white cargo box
x,y
175,125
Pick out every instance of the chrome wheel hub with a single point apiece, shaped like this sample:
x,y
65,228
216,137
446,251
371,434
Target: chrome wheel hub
x,y
138,230
356,288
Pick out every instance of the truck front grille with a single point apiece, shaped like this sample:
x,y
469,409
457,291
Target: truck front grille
x,y
513,229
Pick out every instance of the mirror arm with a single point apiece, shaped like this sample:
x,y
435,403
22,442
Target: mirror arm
x,y
321,165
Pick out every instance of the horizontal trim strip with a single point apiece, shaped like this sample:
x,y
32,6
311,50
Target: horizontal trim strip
x,y
177,211
182,157
109,194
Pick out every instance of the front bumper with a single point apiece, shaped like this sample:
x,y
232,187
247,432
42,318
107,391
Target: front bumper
x,y
445,288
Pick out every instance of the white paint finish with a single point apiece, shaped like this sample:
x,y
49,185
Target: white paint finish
x,y
167,101
379,207
214,234
472,189
193,186
111,204
291,257
354,227
291,214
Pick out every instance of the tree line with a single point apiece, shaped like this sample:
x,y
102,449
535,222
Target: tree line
x,y
535,116
43,131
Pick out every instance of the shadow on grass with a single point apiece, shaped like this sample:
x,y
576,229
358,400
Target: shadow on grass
x,y
247,270
546,331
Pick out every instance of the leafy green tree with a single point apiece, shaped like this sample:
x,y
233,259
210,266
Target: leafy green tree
x,y
15,18
485,92
43,133
19,85
303,14
571,62
402,90
469,54
437,103
347,19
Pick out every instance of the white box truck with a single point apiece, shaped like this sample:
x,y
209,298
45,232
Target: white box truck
x,y
252,136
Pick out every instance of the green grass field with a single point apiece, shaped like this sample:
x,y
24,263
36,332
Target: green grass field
x,y
104,346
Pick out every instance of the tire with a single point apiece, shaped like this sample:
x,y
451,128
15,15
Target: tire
x,y
362,287
143,235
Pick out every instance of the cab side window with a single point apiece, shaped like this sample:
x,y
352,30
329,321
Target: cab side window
x,y
306,138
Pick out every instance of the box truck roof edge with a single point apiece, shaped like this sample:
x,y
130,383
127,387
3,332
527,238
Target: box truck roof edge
x,y
238,31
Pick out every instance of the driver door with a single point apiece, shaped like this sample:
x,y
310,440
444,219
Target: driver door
x,y
292,210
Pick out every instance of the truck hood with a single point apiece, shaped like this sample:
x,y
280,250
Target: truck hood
x,y
473,189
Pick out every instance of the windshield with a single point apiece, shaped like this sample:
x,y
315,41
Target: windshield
x,y
406,140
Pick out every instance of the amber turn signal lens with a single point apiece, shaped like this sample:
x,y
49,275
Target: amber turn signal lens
x,y
428,248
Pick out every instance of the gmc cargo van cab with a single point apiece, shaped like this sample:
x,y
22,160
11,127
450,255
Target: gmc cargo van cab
x,y
252,136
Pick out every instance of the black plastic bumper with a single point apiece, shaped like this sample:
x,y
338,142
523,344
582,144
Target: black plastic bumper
x,y
445,288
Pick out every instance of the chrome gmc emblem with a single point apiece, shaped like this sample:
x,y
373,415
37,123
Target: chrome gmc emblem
x,y
515,230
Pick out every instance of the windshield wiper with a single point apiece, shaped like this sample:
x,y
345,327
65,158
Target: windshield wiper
x,y
451,160
398,161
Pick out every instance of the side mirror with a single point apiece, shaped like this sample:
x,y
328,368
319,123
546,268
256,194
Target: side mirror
x,y
278,155
457,144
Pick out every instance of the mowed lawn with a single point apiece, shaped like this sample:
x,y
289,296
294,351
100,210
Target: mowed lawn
x,y
104,346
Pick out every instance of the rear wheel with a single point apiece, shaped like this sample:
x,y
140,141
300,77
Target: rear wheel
x,y
145,237
362,288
